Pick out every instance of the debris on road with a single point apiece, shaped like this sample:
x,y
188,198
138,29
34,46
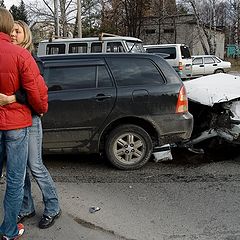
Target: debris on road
x,y
163,154
94,209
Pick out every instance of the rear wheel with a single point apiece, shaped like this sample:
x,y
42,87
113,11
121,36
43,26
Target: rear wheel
x,y
219,71
128,147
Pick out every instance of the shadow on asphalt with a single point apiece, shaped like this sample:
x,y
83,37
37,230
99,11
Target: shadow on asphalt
x,y
213,152
75,161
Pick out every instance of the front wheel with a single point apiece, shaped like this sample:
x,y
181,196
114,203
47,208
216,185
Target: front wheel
x,y
128,147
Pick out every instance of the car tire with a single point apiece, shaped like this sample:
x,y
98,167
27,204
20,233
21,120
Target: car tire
x,y
219,71
128,147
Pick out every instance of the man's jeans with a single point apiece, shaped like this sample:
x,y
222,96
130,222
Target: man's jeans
x,y
40,174
15,143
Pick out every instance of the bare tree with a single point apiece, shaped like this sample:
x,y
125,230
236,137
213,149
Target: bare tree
x,y
44,11
163,11
126,16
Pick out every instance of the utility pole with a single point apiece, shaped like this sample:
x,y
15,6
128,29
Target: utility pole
x,y
79,14
56,19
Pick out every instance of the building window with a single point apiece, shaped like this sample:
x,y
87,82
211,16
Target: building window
x,y
150,31
168,30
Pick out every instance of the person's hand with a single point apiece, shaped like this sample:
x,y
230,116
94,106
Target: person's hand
x,y
4,99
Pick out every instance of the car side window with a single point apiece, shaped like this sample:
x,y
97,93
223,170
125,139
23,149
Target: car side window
x,y
77,77
115,47
103,78
55,49
197,61
78,48
135,71
209,60
96,47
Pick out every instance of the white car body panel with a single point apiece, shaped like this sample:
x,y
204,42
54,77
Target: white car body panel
x,y
211,89
220,92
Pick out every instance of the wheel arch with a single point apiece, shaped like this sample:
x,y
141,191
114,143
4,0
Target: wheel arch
x,y
219,70
146,125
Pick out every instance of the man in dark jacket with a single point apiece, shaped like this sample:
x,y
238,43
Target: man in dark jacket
x,y
17,69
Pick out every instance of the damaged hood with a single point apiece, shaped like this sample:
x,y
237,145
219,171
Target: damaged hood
x,y
215,88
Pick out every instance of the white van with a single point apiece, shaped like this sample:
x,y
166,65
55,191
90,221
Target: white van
x,y
177,55
102,44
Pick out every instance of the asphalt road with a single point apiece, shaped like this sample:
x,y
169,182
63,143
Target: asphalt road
x,y
190,197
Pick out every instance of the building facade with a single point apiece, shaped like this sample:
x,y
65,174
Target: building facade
x,y
180,29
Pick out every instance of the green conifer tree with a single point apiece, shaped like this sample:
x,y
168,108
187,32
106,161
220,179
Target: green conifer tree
x,y
2,3
19,13
23,12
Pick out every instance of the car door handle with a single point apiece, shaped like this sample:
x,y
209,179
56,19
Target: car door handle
x,y
201,65
102,97
214,64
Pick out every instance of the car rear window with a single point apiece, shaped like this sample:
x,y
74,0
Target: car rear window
x,y
185,52
170,51
217,59
135,71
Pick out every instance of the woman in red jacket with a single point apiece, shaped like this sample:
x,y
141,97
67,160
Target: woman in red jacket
x,y
21,35
17,69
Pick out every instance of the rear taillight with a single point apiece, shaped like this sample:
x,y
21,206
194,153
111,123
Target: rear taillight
x,y
182,103
180,66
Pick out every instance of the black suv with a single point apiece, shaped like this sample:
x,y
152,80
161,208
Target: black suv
x,y
123,105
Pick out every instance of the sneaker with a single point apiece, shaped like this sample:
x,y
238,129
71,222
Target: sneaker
x,y
48,221
20,233
21,218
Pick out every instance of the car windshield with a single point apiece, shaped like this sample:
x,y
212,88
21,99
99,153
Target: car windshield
x,y
135,47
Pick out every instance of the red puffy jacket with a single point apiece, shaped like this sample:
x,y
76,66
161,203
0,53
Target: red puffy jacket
x,y
19,69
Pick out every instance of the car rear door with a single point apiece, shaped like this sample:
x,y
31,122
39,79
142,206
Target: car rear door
x,y
81,96
142,90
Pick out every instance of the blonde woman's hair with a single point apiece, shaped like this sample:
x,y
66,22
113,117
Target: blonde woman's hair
x,y
27,41
6,21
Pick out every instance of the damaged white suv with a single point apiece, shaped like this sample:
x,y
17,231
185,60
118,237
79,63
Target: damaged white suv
x,y
214,102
